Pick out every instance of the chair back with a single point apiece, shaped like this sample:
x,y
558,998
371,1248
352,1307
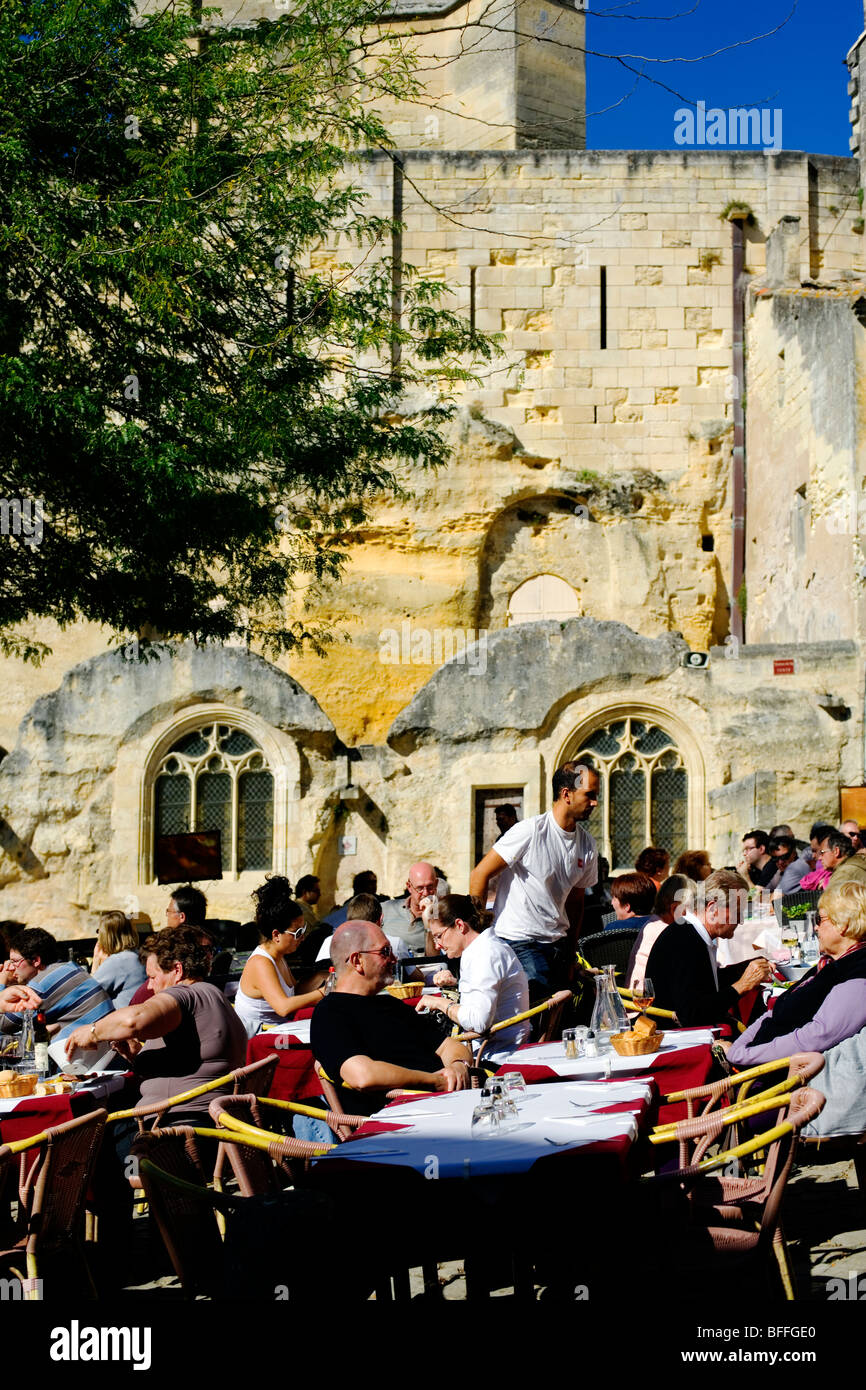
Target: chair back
x,y
612,947
184,1209
257,1078
253,1169
804,1105
792,907
56,1187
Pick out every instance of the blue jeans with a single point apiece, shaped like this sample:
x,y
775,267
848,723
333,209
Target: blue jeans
x,y
545,965
314,1131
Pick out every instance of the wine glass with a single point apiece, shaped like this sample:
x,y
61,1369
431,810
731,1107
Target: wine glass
x,y
643,994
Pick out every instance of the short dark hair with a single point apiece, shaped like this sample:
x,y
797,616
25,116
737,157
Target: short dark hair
x,y
179,944
787,842
364,882
779,830
837,839
35,941
636,891
364,907
506,806
760,837
276,909
305,884
192,903
820,830
652,861
691,863
568,777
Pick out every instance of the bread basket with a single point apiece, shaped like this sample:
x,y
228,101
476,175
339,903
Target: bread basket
x,y
410,991
18,1086
632,1045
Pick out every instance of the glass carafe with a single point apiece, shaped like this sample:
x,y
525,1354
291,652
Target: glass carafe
x,y
608,1015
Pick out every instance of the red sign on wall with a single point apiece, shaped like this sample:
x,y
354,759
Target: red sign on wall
x,y
784,667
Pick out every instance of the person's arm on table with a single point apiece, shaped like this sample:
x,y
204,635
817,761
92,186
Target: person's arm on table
x,y
842,1014
160,1015
262,974
365,1074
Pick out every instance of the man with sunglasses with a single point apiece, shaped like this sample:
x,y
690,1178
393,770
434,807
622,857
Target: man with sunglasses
x,y
367,1041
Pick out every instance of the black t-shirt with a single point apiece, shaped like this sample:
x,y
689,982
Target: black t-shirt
x,y
377,1026
761,877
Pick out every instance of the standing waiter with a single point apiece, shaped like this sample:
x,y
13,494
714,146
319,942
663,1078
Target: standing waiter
x,y
545,864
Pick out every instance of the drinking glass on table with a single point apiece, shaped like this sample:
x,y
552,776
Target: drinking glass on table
x,y
513,1084
485,1117
643,993
569,1042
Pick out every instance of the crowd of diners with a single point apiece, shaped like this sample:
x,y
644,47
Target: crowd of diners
x,y
512,940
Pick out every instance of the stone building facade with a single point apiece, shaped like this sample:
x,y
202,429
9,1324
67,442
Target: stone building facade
x,y
667,459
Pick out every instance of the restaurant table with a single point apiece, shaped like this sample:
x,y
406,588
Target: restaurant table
x,y
23,1116
548,1203
684,1060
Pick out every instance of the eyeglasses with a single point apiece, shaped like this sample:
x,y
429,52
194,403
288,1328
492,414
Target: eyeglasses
x,y
437,936
301,931
384,952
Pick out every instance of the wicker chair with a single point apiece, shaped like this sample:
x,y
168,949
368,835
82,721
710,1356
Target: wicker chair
x,y
256,1079
553,1007
53,1196
257,1169
611,947
719,1099
739,1219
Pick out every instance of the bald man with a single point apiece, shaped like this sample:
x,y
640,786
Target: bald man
x,y
367,1040
402,916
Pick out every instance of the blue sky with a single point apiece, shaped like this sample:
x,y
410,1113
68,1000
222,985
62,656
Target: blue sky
x,y
799,70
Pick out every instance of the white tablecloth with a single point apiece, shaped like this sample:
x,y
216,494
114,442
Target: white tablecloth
x,y
299,1030
106,1085
552,1055
436,1137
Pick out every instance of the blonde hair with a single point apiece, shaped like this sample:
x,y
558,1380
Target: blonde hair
x,y
846,908
116,933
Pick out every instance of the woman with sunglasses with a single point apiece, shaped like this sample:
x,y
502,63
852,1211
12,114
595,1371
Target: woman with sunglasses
x,y
266,993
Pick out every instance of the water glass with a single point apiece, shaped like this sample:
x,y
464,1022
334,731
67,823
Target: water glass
x,y
513,1084
485,1117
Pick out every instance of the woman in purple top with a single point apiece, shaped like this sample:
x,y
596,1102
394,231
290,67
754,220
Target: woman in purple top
x,y
827,1005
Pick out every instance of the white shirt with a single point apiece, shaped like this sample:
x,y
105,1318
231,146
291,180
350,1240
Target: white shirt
x,y
493,986
709,940
544,863
254,1012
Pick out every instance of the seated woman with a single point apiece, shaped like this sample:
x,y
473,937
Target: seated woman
x,y
186,1035
116,962
493,983
267,990
827,1005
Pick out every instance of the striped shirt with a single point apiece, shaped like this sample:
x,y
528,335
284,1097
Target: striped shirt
x,y
70,996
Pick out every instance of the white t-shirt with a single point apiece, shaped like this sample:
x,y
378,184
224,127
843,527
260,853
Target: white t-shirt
x,y
492,987
544,863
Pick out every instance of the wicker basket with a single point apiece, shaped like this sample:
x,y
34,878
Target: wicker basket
x,y
21,1086
411,991
630,1045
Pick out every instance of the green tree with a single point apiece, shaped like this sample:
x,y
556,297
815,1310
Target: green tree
x,y
199,412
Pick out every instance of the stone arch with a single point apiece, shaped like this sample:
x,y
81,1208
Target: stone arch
x,y
683,741
544,533
544,597
280,754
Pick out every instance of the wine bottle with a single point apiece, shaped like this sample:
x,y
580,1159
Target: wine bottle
x,y
41,1059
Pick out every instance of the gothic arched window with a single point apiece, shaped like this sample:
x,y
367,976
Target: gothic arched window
x,y
643,799
216,778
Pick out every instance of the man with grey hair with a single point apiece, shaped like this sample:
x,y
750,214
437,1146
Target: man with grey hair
x,y
682,963
545,864
367,1040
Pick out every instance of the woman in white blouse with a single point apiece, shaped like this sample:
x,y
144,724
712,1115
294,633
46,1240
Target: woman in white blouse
x,y
266,993
492,982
